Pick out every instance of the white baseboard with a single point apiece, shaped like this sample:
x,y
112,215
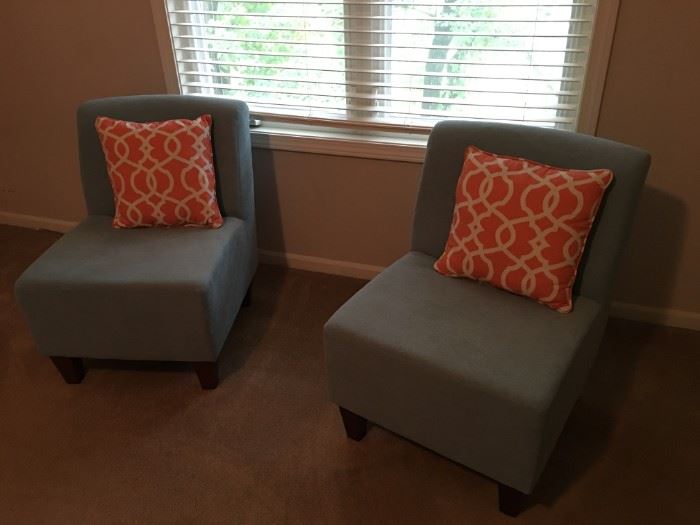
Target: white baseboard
x,y
319,264
662,316
36,223
634,312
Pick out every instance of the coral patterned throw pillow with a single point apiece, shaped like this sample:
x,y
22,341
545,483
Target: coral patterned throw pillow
x,y
162,173
521,225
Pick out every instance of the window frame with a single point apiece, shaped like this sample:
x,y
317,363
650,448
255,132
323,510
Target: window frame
x,y
371,142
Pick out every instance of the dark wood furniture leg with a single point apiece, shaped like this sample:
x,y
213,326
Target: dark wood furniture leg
x,y
71,368
248,297
511,502
208,374
355,426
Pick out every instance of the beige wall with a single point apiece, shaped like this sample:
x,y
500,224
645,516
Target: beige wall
x,y
57,54
340,208
650,100
345,208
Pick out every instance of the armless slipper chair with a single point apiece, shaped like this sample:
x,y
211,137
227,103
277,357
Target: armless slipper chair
x,y
164,294
481,376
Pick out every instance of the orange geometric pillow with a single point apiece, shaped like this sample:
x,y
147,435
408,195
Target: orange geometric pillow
x,y
162,173
522,225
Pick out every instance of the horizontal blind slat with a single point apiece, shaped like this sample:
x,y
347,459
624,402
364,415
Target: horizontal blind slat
x,y
349,17
277,78
466,77
387,85
355,57
426,86
421,3
373,97
255,106
258,109
397,46
373,31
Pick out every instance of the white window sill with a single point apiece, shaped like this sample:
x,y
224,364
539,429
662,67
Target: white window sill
x,y
331,141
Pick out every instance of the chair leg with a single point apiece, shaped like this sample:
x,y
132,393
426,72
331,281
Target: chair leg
x,y
71,368
511,502
355,426
248,297
208,374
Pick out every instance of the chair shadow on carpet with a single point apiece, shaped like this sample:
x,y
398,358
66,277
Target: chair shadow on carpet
x,y
587,432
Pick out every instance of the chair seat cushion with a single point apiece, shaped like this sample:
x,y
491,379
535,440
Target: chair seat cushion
x,y
163,294
475,373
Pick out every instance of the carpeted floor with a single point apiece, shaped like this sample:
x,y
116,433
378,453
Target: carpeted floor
x,y
141,443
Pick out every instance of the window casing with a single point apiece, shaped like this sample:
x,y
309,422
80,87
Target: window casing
x,y
390,65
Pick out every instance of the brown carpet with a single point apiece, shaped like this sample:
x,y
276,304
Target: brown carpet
x,y
141,443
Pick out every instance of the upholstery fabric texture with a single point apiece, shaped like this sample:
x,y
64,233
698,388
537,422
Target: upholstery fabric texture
x,y
480,376
150,293
147,293
162,173
521,225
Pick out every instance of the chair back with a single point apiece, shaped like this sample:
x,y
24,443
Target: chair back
x,y
230,143
443,163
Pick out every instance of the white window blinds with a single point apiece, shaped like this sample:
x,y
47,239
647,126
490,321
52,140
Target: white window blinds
x,y
404,62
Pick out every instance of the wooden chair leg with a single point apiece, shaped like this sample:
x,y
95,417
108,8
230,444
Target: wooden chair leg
x,y
208,374
71,368
355,426
511,502
248,297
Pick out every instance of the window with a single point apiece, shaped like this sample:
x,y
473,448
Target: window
x,y
388,64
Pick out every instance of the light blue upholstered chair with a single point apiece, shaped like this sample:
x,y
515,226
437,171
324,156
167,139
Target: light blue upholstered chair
x,y
480,376
166,294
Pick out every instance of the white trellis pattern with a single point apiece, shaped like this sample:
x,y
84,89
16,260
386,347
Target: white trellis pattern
x,y
521,225
162,173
